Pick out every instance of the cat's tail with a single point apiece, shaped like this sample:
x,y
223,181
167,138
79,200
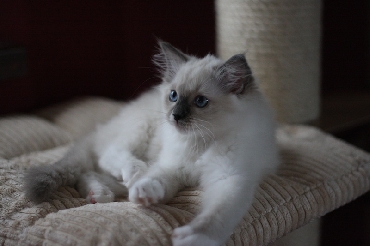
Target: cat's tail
x,y
40,182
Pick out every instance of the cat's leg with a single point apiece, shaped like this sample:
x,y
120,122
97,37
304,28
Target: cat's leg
x,y
225,201
157,186
122,164
99,194
99,188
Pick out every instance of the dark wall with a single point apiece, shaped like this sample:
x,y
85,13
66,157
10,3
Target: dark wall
x,y
345,45
104,47
100,48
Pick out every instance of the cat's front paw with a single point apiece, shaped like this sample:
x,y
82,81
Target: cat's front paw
x,y
132,172
185,236
146,191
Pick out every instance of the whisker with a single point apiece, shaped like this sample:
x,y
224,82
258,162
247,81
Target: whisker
x,y
201,133
209,132
195,145
206,121
140,85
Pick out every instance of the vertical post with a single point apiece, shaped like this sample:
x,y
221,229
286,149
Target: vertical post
x,y
281,39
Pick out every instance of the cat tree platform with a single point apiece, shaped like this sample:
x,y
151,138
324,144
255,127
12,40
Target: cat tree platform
x,y
318,174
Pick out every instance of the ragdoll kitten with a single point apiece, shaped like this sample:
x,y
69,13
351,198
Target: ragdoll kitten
x,y
207,124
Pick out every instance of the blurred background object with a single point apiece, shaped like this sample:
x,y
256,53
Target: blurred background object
x,y
282,44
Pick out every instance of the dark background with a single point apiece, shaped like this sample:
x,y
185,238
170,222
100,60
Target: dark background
x,y
101,48
345,45
104,48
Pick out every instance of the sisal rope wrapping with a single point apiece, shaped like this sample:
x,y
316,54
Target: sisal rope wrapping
x,y
282,44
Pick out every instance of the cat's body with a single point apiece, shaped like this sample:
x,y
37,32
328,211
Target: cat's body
x,y
205,125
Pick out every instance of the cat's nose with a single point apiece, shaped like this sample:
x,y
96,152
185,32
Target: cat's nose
x,y
176,117
181,110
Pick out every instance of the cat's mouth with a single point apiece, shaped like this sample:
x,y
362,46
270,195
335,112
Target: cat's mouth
x,y
181,125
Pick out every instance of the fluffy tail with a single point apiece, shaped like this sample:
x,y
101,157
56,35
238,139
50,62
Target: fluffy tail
x,y
42,181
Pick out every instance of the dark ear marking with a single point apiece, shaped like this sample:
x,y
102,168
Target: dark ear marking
x,y
168,60
235,75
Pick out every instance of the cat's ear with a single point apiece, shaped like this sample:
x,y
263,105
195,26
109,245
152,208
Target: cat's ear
x,y
235,75
168,60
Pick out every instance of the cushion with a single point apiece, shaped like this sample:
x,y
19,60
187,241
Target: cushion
x,y
24,134
318,174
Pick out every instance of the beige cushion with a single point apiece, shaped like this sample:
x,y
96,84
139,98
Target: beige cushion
x,y
24,134
318,174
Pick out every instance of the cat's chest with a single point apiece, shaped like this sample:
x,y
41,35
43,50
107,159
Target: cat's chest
x,y
154,146
180,153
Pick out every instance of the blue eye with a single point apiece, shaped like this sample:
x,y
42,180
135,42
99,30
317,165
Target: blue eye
x,y
173,96
201,101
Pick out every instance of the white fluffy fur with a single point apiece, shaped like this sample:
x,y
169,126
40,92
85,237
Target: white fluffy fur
x,y
225,148
230,147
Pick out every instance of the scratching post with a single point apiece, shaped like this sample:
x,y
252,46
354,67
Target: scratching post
x,y
281,40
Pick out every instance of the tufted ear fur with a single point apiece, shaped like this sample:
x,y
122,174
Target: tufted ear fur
x,y
168,60
235,75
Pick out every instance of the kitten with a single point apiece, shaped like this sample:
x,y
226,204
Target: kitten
x,y
207,124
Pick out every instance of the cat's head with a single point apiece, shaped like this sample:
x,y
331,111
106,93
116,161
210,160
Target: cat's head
x,y
200,94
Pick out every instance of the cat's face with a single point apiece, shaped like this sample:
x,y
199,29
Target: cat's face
x,y
199,94
192,100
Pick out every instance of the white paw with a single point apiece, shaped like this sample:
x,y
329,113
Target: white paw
x,y
121,165
185,236
146,191
132,172
101,195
